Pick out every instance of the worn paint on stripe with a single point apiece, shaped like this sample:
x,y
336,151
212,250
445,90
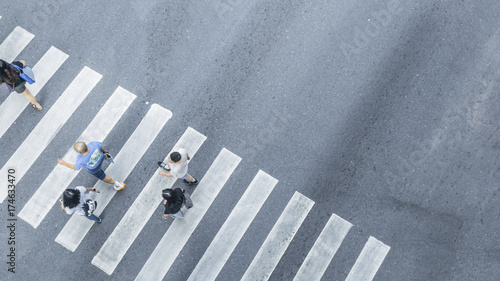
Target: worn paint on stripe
x,y
58,180
323,250
279,238
136,217
14,104
77,227
51,123
180,230
233,229
12,46
369,261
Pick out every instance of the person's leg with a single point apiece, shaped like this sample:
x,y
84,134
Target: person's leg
x,y
178,215
27,94
107,179
189,179
94,218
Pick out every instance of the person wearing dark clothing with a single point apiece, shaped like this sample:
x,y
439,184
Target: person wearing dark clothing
x,y
173,203
10,76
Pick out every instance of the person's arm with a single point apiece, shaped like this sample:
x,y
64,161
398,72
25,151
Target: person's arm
x,y
62,204
165,174
103,150
64,163
88,189
165,215
23,62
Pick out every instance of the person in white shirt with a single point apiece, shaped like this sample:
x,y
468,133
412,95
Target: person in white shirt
x,y
74,199
177,166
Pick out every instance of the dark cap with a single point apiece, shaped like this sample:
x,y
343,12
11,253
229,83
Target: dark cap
x,y
175,156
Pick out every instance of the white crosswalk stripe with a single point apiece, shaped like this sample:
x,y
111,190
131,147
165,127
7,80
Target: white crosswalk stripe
x,y
324,249
141,210
279,238
58,180
12,46
50,124
233,229
77,227
369,261
14,104
180,230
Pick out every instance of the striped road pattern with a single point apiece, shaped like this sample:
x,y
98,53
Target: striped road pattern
x,y
116,245
141,210
58,180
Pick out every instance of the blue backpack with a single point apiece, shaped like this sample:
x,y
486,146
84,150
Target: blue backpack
x,y
26,73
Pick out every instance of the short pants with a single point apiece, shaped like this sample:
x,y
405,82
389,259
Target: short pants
x,y
20,88
97,172
186,176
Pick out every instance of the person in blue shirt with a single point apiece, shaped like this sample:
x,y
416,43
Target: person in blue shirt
x,y
90,156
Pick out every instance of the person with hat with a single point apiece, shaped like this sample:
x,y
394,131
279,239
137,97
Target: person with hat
x,y
90,156
177,166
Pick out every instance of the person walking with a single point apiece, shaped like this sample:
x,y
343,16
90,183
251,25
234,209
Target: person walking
x,y
177,166
75,199
90,156
173,203
10,75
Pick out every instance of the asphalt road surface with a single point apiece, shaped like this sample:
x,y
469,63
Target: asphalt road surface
x,y
382,114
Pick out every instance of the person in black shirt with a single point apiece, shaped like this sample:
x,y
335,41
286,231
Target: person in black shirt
x,y
10,75
174,202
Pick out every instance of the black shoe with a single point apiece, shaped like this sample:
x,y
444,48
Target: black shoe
x,y
195,182
163,166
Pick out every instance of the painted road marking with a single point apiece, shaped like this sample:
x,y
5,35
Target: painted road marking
x,y
233,229
323,250
27,153
180,230
279,238
369,261
58,180
77,227
14,104
132,223
12,46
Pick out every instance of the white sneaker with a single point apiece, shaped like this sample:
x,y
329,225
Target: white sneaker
x,y
119,186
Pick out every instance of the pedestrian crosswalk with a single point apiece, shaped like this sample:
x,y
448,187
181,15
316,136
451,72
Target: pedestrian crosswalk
x,y
58,180
77,227
235,226
116,245
279,238
51,123
209,187
141,210
323,250
368,262
12,46
13,105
